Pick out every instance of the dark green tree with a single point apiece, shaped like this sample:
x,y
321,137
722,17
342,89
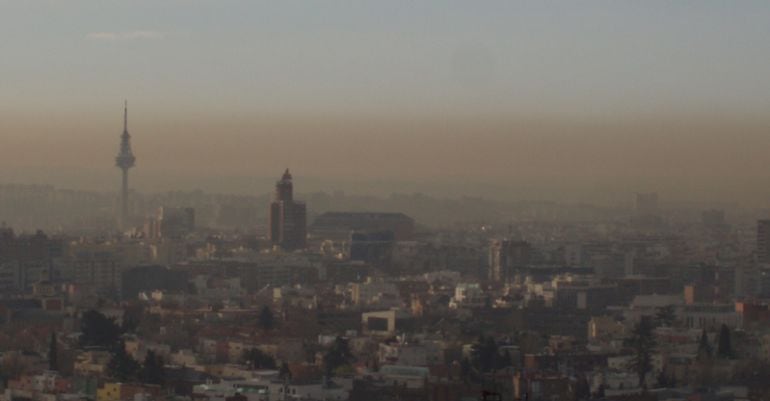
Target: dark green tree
x,y
132,317
98,330
266,319
485,356
725,346
256,359
337,356
642,342
152,369
466,369
122,366
600,391
665,316
284,373
663,380
309,351
504,360
582,388
705,350
53,352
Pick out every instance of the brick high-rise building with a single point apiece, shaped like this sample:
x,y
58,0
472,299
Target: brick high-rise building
x,y
26,260
288,226
506,258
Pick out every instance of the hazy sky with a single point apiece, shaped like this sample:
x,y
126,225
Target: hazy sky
x,y
580,94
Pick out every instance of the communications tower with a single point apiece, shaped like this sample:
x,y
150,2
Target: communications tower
x,y
124,161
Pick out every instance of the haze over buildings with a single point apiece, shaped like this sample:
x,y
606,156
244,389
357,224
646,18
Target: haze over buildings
x,y
513,100
491,200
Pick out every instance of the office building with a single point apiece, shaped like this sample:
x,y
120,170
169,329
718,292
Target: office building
x,y
287,219
506,257
375,248
170,222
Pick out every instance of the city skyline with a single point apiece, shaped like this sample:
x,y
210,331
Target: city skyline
x,y
524,100
678,167
434,200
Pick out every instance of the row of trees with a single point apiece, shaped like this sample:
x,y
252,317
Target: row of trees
x,y
100,331
336,361
97,330
256,359
724,345
124,367
485,355
642,343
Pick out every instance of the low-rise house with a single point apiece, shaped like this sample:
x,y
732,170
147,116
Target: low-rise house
x,y
92,362
114,391
405,376
387,322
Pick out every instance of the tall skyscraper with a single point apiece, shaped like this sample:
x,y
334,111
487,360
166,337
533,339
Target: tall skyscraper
x,y
288,226
125,160
506,258
763,241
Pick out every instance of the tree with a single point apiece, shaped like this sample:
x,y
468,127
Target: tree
x,y
504,360
345,370
642,342
284,373
725,346
309,351
337,356
266,318
152,370
466,369
665,316
600,391
122,366
132,317
582,388
704,374
704,347
256,359
483,353
664,381
98,330
53,353
12,366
